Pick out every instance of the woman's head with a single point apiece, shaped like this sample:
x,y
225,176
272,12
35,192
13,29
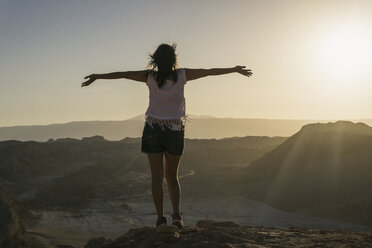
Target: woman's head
x,y
164,58
164,62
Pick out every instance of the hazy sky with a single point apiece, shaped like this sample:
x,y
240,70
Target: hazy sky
x,y
310,59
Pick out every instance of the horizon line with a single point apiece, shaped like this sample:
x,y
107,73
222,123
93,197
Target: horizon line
x,y
197,116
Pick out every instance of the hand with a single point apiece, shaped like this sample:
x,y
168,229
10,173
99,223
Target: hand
x,y
243,71
92,78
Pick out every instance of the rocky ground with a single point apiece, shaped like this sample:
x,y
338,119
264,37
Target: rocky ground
x,y
211,234
115,217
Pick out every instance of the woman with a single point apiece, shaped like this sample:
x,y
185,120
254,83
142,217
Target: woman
x,y
163,134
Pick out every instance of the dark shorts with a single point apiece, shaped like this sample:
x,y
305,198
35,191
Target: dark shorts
x,y
158,140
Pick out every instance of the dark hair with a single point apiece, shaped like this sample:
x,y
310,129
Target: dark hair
x,y
163,63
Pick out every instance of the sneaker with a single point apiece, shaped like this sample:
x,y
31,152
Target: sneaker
x,y
161,221
177,220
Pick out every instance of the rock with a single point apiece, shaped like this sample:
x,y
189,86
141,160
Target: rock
x,y
187,229
205,223
211,244
166,237
100,242
167,229
11,222
135,236
126,206
64,246
135,231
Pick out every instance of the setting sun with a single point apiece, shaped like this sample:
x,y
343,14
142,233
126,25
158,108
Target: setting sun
x,y
346,52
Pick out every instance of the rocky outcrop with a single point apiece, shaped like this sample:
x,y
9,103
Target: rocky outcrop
x,y
11,228
324,170
208,234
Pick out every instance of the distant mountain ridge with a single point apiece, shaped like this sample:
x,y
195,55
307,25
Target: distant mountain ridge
x,y
201,127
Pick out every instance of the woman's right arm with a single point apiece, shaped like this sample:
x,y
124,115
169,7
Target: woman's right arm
x,y
140,76
192,74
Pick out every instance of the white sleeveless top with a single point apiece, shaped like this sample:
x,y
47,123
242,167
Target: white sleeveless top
x,y
167,102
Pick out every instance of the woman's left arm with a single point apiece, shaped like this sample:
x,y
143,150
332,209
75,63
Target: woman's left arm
x,y
192,74
140,76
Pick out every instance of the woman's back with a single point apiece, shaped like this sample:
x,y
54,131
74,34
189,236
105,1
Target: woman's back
x,y
167,102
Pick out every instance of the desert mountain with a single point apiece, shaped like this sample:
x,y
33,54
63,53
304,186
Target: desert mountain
x,y
81,188
85,184
63,171
323,170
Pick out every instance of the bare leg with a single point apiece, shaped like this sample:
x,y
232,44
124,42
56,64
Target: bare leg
x,y
157,175
171,174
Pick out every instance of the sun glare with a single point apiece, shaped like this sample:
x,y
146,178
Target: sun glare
x,y
346,53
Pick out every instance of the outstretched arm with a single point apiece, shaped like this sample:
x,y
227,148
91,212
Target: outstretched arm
x,y
133,75
192,74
